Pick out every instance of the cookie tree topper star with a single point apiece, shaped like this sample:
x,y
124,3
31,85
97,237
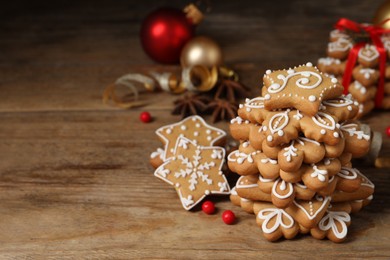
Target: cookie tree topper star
x,y
195,172
303,88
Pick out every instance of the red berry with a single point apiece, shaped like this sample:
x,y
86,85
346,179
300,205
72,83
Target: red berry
x,y
208,207
145,117
228,217
388,131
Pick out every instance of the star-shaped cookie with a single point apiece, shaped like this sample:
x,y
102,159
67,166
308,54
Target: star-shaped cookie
x,y
195,129
194,171
303,88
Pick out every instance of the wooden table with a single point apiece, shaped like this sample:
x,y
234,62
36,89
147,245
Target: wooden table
x,y
75,181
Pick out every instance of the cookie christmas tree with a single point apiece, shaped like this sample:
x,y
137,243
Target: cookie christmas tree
x,y
296,145
365,75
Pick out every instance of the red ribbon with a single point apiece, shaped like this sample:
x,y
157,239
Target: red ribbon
x,y
375,32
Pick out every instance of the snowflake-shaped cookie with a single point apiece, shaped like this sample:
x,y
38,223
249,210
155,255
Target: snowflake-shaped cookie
x,y
303,88
195,171
193,128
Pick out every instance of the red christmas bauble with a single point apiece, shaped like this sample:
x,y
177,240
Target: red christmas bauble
x,y
228,217
388,131
208,207
164,33
145,117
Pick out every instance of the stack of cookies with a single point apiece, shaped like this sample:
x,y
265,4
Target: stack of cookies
x,y
365,75
191,160
296,145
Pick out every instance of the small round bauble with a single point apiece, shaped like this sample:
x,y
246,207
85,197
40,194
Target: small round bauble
x,y
201,50
381,14
164,33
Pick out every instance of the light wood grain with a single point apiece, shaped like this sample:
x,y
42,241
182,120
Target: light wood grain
x,y
75,182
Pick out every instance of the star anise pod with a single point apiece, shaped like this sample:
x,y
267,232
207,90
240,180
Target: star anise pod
x,y
190,104
231,90
222,110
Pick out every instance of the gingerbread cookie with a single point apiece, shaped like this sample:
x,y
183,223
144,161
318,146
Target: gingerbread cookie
x,y
343,107
194,128
309,213
194,171
348,180
339,49
329,65
365,190
275,222
337,34
303,88
357,142
333,225
368,56
361,93
366,76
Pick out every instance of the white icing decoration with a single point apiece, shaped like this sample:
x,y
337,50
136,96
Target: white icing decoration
x,y
298,115
265,179
300,83
268,160
323,131
312,98
196,133
240,157
357,85
217,154
329,222
276,126
290,151
329,61
268,214
318,119
186,201
347,173
159,152
183,127
267,97
351,129
301,185
255,102
320,174
341,44
283,186
163,172
237,120
169,131
223,186
241,185
183,143
313,215
302,139
338,34
340,102
367,72
368,53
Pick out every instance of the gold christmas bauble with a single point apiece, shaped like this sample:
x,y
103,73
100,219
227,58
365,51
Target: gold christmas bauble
x,y
201,50
381,14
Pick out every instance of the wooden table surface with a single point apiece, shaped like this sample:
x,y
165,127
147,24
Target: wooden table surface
x,y
75,182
